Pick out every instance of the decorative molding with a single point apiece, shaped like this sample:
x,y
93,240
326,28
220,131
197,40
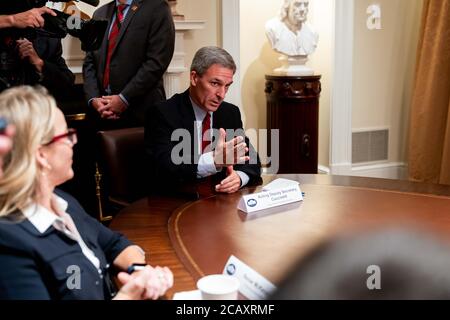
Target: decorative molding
x,y
323,170
293,88
367,129
341,100
76,58
231,42
189,25
172,77
390,170
76,69
173,8
73,54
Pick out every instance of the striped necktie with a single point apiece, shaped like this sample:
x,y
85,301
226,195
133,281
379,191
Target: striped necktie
x,y
112,40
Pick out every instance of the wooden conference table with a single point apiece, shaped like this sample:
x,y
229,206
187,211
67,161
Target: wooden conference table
x,y
196,238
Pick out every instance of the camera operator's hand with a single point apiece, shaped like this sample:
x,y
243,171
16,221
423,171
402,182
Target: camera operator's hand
x,y
26,51
31,18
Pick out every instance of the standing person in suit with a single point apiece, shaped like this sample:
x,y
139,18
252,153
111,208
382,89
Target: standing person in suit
x,y
209,128
49,247
125,76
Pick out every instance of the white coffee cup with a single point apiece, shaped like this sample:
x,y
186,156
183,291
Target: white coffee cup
x,y
218,287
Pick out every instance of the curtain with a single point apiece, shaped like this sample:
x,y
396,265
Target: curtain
x,y
429,136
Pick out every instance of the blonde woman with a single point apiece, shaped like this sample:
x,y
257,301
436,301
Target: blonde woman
x,y
49,247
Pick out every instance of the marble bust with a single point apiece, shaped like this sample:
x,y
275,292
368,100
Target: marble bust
x,y
290,34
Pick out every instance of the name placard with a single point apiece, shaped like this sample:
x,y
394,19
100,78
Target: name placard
x,y
253,285
271,198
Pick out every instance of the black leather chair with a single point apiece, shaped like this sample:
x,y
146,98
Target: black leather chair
x,y
120,174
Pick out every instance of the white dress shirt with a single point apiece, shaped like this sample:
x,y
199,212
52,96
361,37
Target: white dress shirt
x,y
42,219
206,166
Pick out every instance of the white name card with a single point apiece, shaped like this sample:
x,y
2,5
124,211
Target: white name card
x,y
269,199
253,285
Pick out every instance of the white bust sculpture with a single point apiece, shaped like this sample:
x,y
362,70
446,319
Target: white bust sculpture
x,y
291,35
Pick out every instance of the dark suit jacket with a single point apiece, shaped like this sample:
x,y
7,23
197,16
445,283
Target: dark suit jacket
x,y
34,265
143,52
56,76
177,113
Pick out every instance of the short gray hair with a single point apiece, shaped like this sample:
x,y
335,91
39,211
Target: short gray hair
x,y
207,56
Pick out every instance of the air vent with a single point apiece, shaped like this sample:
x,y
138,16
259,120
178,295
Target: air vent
x,y
370,146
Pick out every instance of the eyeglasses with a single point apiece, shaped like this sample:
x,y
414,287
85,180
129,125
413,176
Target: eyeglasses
x,y
71,135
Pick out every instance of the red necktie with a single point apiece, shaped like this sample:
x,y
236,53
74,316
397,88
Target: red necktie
x,y
112,42
206,125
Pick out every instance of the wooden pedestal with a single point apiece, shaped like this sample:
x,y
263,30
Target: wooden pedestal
x,y
293,108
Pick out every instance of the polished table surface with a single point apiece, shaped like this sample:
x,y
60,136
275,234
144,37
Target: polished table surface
x,y
195,238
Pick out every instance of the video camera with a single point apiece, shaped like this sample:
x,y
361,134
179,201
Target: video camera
x,y
90,32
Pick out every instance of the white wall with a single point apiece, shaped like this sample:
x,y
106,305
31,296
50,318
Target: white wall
x,y
383,70
209,11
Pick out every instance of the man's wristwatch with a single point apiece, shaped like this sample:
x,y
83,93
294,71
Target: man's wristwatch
x,y
136,267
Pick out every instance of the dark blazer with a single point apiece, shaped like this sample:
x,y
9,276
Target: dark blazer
x,y
177,113
35,265
56,76
143,52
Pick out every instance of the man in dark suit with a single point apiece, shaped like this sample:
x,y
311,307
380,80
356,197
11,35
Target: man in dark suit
x,y
196,136
125,76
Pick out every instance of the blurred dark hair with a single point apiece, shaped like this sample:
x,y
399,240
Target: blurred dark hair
x,y
412,265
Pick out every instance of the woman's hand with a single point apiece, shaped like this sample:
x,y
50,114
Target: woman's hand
x,y
150,283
